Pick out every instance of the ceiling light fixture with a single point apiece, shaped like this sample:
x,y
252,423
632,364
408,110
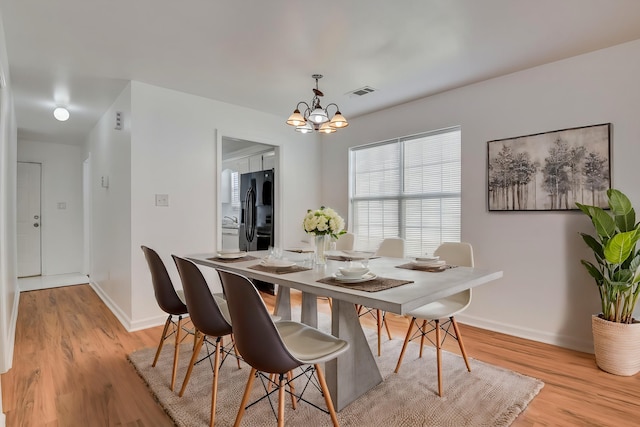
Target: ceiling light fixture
x,y
314,117
61,114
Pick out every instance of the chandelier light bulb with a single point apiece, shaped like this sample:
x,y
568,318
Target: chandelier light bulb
x,y
61,114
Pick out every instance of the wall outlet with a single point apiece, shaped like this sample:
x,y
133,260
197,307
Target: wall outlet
x,y
162,200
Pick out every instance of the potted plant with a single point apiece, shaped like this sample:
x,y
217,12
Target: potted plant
x,y
616,334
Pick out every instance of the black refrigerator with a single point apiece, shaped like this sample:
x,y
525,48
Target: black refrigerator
x,y
256,216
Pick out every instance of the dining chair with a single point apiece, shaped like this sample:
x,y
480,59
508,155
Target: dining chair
x,y
171,302
210,315
390,247
275,348
458,254
346,242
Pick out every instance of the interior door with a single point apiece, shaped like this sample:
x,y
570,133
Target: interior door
x,y
28,218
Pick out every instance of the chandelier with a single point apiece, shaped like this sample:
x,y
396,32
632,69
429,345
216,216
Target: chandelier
x,y
314,117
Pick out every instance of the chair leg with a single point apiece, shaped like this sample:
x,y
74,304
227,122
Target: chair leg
x,y
386,325
194,357
214,388
330,304
459,337
379,321
327,396
439,354
245,397
176,352
404,346
424,327
164,334
235,350
291,389
280,400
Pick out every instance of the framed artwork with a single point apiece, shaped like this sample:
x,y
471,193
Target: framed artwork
x,y
550,171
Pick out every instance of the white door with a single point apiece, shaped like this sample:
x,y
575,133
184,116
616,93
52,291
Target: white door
x,y
28,197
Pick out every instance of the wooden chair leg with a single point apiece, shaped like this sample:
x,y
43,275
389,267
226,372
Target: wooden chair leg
x,y
404,346
439,354
162,338
214,387
272,379
459,337
386,325
424,328
176,352
280,400
330,304
379,321
292,389
235,350
192,362
327,396
245,397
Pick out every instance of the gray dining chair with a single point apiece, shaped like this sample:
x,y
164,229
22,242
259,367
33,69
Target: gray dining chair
x,y
171,302
275,348
208,316
427,318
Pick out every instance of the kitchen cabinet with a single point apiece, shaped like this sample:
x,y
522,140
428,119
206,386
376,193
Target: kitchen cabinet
x,y
255,163
230,240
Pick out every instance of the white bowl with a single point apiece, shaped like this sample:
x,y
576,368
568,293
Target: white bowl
x,y
353,271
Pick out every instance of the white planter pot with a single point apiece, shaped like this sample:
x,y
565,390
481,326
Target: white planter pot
x,y
617,346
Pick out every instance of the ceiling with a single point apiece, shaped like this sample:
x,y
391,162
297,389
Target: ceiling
x,y
261,54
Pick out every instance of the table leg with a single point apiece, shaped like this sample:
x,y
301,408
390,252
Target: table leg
x,y
283,303
309,314
355,371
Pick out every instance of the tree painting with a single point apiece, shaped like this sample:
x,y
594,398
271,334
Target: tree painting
x,y
550,171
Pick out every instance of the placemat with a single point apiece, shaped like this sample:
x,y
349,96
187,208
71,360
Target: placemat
x,y
349,258
244,258
411,266
279,270
375,285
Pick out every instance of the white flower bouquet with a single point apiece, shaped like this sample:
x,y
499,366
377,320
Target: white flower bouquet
x,y
324,221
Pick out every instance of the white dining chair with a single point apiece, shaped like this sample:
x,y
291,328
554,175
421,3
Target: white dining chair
x,y
390,247
459,254
346,242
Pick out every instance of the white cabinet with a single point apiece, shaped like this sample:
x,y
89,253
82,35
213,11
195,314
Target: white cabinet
x,y
269,160
225,186
230,240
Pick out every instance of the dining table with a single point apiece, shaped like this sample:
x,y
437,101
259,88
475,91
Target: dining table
x,y
399,286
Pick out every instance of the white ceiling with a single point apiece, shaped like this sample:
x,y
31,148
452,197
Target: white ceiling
x,y
261,54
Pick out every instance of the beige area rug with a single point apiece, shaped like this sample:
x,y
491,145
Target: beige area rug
x,y
486,396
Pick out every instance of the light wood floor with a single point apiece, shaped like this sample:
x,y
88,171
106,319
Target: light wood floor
x,y
70,369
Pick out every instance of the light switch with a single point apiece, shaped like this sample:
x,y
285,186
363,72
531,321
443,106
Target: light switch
x,y
62,205
162,200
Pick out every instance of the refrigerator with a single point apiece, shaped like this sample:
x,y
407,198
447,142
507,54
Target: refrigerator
x,y
256,215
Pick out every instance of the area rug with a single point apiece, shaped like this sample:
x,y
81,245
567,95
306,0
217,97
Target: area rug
x,y
486,396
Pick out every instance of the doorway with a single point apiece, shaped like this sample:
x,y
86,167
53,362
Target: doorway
x,y
29,230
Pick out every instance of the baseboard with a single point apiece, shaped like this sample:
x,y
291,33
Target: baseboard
x,y
531,334
120,315
129,325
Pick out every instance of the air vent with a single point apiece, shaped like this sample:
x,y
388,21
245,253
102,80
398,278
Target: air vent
x,y
362,91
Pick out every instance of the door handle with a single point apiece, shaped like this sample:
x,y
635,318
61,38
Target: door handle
x,y
36,225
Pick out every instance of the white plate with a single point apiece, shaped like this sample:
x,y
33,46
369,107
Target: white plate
x,y
340,278
437,263
427,258
277,263
231,255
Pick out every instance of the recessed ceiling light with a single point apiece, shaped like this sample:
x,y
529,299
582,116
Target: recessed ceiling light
x,y
61,114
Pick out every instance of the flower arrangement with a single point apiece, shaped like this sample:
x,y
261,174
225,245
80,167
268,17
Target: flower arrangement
x,y
323,221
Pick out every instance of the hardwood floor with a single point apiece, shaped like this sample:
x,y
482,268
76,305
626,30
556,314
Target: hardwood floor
x,y
70,369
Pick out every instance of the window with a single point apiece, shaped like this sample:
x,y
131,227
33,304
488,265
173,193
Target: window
x,y
407,187
235,193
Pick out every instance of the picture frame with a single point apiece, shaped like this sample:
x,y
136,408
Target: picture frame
x,y
550,171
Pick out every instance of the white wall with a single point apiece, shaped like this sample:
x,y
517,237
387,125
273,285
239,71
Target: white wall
x,y
169,146
8,266
174,152
110,269
545,293
61,183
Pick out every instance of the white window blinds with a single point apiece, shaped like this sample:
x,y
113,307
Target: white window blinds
x,y
407,187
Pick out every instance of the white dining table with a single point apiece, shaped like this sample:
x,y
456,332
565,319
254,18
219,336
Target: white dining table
x,y
354,372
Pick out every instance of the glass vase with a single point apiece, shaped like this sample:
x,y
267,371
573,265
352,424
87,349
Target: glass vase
x,y
321,246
